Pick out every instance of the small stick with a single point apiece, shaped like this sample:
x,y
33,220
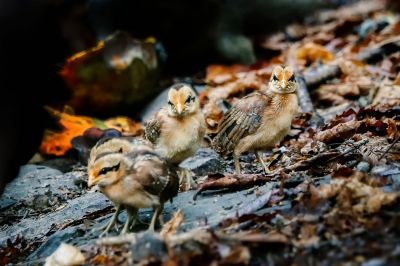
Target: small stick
x,y
233,181
389,148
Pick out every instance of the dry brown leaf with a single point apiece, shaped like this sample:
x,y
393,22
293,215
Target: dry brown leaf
x,y
171,227
311,52
101,259
125,125
59,142
219,74
308,236
237,255
357,194
341,131
388,94
329,98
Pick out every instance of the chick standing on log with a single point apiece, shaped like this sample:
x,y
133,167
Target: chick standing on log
x,y
259,120
139,179
178,130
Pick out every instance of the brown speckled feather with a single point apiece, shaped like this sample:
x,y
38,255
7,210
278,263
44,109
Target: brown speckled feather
x,y
156,176
153,130
241,120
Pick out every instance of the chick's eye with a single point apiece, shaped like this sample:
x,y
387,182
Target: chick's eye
x,y
292,78
275,78
189,99
170,103
105,170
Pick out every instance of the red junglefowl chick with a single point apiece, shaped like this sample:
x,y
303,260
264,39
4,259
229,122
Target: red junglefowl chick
x,y
139,179
178,129
259,120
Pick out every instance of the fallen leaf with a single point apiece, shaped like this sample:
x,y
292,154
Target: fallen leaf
x,y
171,227
311,52
357,195
59,142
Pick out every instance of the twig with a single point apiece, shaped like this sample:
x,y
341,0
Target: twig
x,y
305,102
390,147
380,50
316,158
317,76
326,156
232,181
354,147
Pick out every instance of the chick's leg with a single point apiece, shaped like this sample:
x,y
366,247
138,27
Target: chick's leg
x,y
130,220
112,221
160,216
157,211
236,157
186,179
260,159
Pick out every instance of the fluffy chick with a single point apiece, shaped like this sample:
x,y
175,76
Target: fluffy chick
x,y
178,129
139,179
259,120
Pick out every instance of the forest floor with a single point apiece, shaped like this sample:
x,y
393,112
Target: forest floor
x,y
332,197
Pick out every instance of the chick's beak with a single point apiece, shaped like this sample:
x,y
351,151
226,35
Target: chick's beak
x,y
93,181
283,84
179,108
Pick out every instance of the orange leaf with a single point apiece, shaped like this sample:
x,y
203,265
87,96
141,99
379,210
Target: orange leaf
x,y
311,52
58,143
125,125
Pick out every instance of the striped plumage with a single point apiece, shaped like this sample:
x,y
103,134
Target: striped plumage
x,y
138,179
259,120
118,144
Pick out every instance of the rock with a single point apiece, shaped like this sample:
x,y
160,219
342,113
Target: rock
x,y
66,223
78,208
6,203
198,213
363,167
48,247
155,105
36,180
391,171
148,248
375,262
62,164
204,162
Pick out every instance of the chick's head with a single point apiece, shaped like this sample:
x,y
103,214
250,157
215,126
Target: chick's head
x,y
110,145
283,80
108,169
117,145
182,100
